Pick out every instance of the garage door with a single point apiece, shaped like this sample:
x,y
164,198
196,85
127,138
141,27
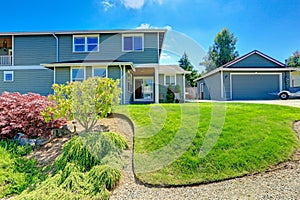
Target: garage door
x,y
254,86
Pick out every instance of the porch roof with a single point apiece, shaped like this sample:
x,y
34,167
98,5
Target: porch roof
x,y
171,69
80,63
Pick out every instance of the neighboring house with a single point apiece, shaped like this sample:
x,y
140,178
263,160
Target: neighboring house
x,y
33,61
250,77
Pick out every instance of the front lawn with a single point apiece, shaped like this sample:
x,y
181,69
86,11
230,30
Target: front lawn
x,y
231,140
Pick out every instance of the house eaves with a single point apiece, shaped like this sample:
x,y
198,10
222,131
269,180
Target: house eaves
x,y
86,32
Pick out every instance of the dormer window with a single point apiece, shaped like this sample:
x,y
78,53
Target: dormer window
x,y
133,42
85,43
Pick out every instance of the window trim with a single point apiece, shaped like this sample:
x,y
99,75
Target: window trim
x,y
133,35
165,79
77,67
8,72
85,43
95,67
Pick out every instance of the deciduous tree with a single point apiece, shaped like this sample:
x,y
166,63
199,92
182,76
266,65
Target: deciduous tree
x,y
294,59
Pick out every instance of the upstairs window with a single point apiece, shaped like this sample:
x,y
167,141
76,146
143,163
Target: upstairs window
x,y
170,80
77,74
133,42
82,43
8,76
100,72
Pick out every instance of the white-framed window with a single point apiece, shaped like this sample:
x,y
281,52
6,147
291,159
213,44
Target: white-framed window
x,y
77,74
100,72
170,80
133,42
8,76
85,43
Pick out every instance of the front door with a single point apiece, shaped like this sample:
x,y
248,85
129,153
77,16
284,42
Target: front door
x,y
143,88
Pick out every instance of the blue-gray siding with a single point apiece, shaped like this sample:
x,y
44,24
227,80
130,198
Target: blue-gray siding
x,y
114,72
163,89
255,61
29,80
211,87
34,50
40,49
179,81
111,49
62,75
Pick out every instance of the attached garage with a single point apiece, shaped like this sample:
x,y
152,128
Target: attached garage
x,y
254,86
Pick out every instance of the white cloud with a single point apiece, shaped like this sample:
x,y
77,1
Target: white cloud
x,y
148,26
134,4
165,56
107,5
138,4
168,27
144,26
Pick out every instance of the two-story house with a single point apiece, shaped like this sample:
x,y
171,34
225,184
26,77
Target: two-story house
x,y
33,61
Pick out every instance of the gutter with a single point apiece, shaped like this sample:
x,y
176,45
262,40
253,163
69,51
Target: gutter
x,y
56,46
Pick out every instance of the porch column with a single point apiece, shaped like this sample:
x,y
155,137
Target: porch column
x,y
156,81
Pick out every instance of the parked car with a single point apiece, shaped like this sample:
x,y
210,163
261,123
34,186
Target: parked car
x,y
291,92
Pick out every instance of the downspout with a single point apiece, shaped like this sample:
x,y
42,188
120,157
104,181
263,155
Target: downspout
x,y
56,46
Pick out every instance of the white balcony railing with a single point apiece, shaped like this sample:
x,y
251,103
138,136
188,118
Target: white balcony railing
x,y
5,60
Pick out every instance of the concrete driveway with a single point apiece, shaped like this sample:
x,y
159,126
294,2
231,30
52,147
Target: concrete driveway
x,y
289,102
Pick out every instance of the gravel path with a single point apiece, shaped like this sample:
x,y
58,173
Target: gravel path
x,y
280,183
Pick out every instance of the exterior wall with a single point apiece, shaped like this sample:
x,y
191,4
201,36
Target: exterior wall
x,y
62,75
226,85
38,49
34,50
295,79
111,49
128,88
29,80
179,81
162,88
114,72
88,72
212,87
255,61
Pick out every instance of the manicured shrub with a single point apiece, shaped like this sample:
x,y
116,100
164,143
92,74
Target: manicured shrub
x,y
117,139
16,172
22,113
89,149
103,177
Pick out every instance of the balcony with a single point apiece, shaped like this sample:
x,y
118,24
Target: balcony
x,y
5,60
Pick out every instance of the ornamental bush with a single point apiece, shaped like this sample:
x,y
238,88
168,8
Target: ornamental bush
x,y
85,102
22,113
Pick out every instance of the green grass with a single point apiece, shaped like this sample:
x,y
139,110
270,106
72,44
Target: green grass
x,y
242,139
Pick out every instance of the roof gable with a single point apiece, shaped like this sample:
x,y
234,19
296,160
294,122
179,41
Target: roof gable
x,y
254,59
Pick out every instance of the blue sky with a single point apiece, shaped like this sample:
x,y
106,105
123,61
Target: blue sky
x,y
271,26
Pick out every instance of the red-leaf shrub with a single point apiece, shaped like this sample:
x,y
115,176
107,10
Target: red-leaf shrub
x,y
22,113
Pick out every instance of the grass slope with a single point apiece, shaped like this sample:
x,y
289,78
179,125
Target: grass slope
x,y
253,138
